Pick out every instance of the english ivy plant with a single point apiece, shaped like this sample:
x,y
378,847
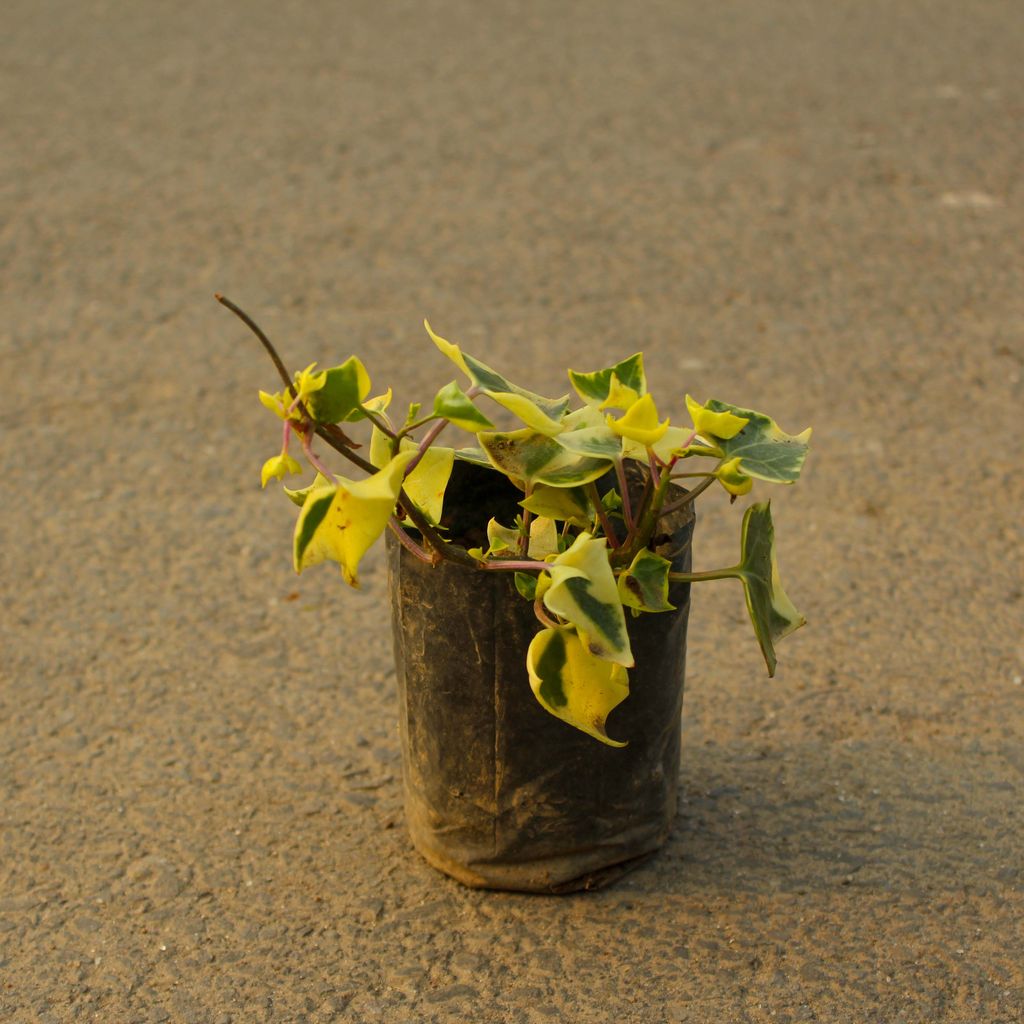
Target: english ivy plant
x,y
582,557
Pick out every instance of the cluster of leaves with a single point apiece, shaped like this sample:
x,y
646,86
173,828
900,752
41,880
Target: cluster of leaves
x,y
581,556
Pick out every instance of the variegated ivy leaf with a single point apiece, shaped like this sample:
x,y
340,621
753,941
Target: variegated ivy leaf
x,y
541,414
300,495
426,484
771,611
644,585
566,504
595,442
457,407
476,456
573,684
640,423
343,389
617,386
671,443
535,458
584,593
763,450
340,522
711,423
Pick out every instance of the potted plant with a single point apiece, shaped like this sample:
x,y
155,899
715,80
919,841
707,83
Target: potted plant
x,y
540,584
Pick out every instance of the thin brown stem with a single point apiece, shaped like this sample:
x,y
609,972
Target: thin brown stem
x,y
689,497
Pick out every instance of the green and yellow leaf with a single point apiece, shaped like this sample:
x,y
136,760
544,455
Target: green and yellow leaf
x,y
593,442
763,450
644,585
573,685
541,414
534,458
341,389
617,386
584,593
340,522
771,611
732,477
566,504
299,495
712,423
457,407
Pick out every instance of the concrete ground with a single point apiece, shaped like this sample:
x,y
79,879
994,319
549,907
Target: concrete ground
x,y
815,209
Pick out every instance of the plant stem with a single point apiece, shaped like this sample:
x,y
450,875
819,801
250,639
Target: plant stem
x,y
520,565
542,616
428,439
627,507
343,444
606,525
378,422
407,542
699,577
307,449
689,497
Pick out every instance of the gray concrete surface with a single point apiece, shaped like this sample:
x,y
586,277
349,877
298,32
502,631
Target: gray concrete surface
x,y
815,208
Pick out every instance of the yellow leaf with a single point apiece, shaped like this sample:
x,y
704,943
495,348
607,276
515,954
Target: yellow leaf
x,y
452,351
341,523
275,403
732,477
543,538
710,424
620,396
276,467
306,382
572,684
426,484
640,423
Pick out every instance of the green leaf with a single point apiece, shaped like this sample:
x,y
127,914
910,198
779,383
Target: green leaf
x,y
764,451
344,388
542,414
454,405
771,611
644,585
340,523
614,385
572,684
583,591
566,504
535,458
526,584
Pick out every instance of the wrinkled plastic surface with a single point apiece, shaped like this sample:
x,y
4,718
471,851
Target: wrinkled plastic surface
x,y
499,793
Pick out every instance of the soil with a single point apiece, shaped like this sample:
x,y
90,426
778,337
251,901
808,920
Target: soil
x,y
814,211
